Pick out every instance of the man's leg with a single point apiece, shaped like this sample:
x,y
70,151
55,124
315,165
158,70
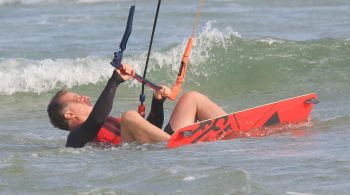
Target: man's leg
x,y
193,106
136,128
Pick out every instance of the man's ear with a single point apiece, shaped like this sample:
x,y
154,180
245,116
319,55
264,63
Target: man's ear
x,y
68,115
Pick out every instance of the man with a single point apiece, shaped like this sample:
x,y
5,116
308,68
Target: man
x,y
72,112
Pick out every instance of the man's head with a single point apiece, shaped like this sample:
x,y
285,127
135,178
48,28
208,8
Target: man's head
x,y
67,109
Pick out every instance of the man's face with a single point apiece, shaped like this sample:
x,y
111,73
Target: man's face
x,y
77,104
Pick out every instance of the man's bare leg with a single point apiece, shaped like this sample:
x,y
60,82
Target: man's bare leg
x,y
193,106
136,128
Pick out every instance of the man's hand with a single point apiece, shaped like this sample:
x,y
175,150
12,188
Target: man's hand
x,y
162,93
125,71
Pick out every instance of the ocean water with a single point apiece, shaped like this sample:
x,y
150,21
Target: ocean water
x,y
245,53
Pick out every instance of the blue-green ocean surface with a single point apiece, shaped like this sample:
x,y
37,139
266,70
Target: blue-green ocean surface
x,y
245,53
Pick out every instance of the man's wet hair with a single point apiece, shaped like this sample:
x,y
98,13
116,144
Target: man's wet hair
x,y
55,111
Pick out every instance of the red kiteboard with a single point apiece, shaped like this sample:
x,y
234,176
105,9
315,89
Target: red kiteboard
x,y
246,123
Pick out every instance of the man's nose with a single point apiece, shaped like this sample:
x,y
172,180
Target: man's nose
x,y
85,98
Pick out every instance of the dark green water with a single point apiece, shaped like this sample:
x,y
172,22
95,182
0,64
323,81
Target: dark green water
x,y
246,53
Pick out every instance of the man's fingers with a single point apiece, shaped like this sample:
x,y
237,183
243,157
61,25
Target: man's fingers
x,y
165,91
126,69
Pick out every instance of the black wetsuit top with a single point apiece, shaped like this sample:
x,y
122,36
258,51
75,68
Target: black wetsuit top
x,y
77,138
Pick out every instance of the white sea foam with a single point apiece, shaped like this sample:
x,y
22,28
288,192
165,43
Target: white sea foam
x,y
31,2
189,178
270,41
25,2
37,76
298,193
93,1
22,75
202,44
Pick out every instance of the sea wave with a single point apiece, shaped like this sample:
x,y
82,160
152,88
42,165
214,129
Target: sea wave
x,y
37,76
219,58
24,75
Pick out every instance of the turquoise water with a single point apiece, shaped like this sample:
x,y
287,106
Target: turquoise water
x,y
246,53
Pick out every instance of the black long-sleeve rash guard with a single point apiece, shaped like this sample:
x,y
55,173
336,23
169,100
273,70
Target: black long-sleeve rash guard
x,y
77,138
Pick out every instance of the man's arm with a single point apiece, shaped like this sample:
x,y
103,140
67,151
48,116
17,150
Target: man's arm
x,y
89,129
156,115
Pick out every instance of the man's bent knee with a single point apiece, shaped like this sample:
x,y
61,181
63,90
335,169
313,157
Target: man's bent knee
x,y
129,116
193,95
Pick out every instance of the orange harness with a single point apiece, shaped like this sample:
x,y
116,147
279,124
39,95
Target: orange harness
x,y
110,132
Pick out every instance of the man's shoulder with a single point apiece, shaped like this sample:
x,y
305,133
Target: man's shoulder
x,y
73,140
69,139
